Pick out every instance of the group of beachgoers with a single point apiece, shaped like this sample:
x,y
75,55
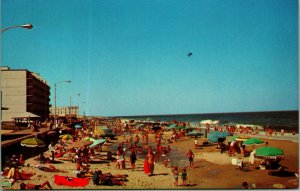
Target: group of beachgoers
x,y
152,152
135,144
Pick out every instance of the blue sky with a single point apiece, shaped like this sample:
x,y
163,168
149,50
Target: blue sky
x,y
129,57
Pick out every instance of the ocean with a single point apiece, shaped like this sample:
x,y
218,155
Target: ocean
x,y
288,120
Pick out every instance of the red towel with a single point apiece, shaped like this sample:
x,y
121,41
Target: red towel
x,y
70,181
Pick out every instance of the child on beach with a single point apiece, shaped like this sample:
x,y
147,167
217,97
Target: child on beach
x,y
175,174
184,177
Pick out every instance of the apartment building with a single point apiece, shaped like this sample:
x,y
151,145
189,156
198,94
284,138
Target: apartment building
x,y
65,111
24,94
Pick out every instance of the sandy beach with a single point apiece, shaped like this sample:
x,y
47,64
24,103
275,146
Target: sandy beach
x,y
212,170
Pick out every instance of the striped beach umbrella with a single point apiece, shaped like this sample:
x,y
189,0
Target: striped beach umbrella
x,y
103,131
80,144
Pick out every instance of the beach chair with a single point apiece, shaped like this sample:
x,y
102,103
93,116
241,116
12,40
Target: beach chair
x,y
237,163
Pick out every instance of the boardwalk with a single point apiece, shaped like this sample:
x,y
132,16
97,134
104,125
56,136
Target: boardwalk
x,y
28,133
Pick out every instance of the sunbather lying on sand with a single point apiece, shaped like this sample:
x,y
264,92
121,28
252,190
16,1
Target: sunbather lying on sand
x,y
108,179
24,186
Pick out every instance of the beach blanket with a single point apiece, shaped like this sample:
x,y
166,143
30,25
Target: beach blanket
x,y
70,181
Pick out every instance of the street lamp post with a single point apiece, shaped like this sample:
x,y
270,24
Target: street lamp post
x,y
26,26
77,113
83,104
66,81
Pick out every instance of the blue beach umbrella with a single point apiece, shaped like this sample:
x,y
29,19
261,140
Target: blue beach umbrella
x,y
97,142
215,135
78,126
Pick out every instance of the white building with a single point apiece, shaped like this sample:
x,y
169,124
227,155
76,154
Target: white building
x,y
65,111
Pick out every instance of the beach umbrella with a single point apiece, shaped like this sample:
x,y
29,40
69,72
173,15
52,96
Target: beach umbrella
x,y
215,135
172,126
253,141
33,142
103,131
195,133
80,144
238,138
232,138
268,151
180,127
89,139
97,142
66,136
78,126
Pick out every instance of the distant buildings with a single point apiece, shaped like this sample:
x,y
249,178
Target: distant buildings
x,y
65,111
24,94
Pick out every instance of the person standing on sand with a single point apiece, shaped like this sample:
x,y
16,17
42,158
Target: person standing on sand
x,y
146,166
175,174
184,177
150,157
52,150
190,155
132,159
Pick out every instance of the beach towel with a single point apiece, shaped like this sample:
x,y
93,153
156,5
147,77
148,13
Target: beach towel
x,y
70,181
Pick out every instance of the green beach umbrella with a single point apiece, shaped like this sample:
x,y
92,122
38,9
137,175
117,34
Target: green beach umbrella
x,y
180,127
89,139
268,151
172,126
253,141
33,142
232,138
